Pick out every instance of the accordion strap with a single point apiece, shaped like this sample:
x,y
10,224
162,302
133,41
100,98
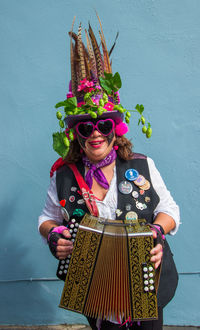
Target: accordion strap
x,y
87,194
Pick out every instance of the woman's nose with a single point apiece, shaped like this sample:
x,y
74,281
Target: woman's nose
x,y
95,133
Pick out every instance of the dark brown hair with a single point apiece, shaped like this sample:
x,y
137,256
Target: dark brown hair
x,y
124,150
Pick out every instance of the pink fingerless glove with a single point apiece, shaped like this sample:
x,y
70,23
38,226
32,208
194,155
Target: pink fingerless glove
x,y
160,229
58,230
54,235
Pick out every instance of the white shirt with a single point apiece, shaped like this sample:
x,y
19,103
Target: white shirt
x,y
107,207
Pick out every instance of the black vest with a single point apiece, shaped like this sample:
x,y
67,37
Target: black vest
x,y
67,188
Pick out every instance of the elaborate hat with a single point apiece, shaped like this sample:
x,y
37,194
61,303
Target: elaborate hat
x,y
93,91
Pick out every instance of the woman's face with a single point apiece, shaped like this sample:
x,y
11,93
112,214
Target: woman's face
x,y
97,146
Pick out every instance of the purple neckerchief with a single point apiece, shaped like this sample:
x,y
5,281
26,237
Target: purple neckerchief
x,y
95,169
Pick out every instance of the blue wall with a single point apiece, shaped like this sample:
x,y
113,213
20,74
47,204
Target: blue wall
x,y
157,55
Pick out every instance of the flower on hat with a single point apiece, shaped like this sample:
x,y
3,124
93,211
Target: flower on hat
x,y
86,86
109,106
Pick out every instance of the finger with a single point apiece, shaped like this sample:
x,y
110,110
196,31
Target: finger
x,y
158,248
154,233
156,259
63,251
66,233
62,255
63,241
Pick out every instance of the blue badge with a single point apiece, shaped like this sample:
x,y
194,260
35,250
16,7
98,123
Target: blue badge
x,y
131,174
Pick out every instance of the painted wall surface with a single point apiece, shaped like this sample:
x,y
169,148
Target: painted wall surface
x,y
157,55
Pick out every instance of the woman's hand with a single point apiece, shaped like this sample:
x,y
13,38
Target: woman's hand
x,y
64,246
60,247
157,253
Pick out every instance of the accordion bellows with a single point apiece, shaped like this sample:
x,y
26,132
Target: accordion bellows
x,y
110,275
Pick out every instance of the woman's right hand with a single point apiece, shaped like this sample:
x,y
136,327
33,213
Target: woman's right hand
x,y
64,246
60,246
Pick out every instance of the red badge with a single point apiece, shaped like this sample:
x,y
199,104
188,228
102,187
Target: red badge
x,y
63,202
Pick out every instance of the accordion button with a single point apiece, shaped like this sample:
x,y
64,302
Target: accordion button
x,y
60,272
61,267
146,288
150,268
71,231
63,262
72,240
151,288
75,230
72,225
150,274
73,220
145,276
74,235
65,271
151,281
146,282
145,269
76,224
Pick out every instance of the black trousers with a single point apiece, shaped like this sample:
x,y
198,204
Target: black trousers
x,y
144,325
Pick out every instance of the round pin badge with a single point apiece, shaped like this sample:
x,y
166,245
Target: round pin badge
x,y
131,174
125,187
131,216
147,199
128,207
73,188
80,201
65,214
135,194
140,181
72,198
146,185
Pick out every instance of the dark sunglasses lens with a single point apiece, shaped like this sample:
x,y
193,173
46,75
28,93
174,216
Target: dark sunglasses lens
x,y
105,126
85,129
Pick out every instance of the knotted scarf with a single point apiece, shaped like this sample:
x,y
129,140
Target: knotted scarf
x,y
95,169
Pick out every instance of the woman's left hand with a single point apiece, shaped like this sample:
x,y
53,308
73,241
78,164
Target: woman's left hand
x,y
157,253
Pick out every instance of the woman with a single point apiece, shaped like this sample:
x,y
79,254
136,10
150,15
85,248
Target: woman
x,y
125,185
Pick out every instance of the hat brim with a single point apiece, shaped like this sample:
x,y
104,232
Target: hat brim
x,y
72,120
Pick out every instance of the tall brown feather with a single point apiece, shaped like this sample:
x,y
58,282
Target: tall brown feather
x,y
73,72
97,53
107,66
82,70
92,62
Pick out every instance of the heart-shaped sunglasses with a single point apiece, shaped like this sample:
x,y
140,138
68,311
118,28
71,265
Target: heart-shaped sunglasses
x,y
103,126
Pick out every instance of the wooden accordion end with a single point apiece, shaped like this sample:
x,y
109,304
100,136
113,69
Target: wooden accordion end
x,y
110,275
